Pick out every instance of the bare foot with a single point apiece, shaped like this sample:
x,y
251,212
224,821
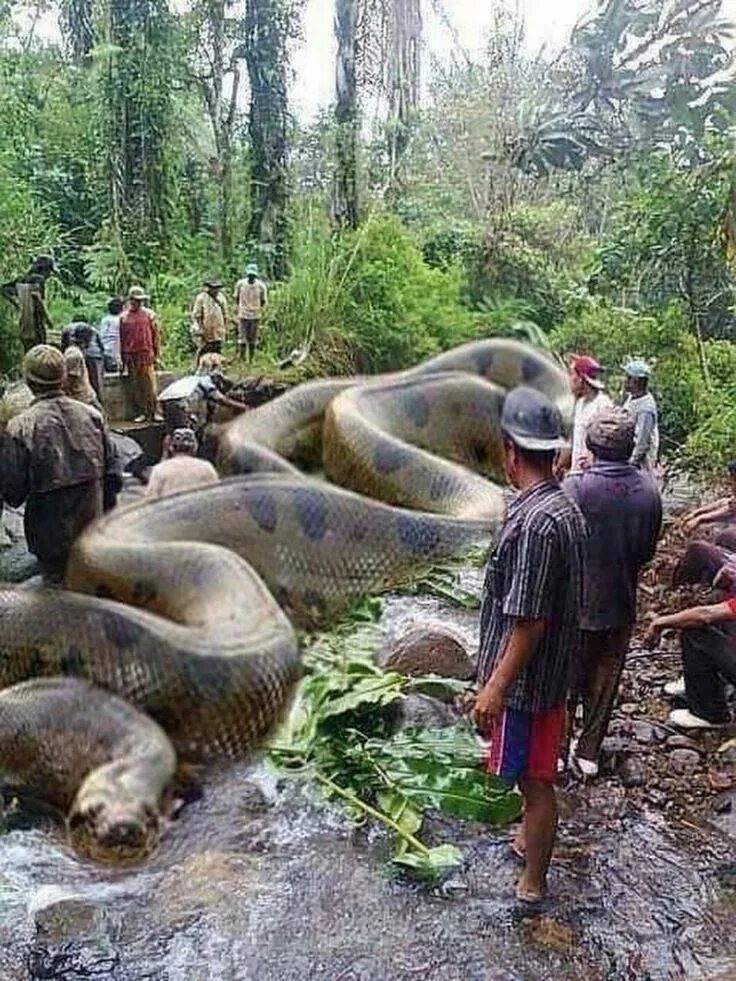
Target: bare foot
x,y
518,846
527,892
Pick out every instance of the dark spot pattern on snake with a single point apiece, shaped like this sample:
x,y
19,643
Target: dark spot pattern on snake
x,y
483,361
531,368
419,535
120,631
388,457
310,508
416,406
314,603
71,662
143,592
263,509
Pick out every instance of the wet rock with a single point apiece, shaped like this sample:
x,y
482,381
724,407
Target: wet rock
x,y
684,760
632,772
683,742
613,745
645,732
253,798
429,651
720,780
205,882
422,710
656,797
64,920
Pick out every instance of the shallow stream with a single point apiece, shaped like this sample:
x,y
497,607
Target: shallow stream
x,y
262,880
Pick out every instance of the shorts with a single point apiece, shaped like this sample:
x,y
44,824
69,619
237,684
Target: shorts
x,y
526,744
247,331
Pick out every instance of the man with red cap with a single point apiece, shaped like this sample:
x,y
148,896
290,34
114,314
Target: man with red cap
x,y
590,399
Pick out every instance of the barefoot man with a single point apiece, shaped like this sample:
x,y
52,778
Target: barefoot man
x,y
529,630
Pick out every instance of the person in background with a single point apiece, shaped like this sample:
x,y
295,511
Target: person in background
x,y
641,405
109,331
721,510
88,341
139,347
708,657
181,470
622,508
587,387
181,400
57,459
251,297
209,315
529,627
76,378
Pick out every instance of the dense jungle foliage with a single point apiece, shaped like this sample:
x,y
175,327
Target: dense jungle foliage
x,y
584,200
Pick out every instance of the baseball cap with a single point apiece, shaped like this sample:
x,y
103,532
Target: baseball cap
x,y
532,420
588,369
637,368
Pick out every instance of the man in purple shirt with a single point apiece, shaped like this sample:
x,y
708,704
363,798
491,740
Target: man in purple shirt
x,y
623,511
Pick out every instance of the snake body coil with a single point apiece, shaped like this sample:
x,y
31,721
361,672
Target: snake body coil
x,y
183,607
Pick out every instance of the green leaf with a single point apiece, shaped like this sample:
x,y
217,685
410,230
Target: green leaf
x,y
431,865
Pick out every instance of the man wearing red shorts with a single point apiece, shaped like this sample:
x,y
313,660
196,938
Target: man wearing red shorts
x,y
530,624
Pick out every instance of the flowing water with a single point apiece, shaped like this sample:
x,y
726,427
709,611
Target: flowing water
x,y
262,880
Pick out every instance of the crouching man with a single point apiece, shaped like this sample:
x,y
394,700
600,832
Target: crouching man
x,y
529,632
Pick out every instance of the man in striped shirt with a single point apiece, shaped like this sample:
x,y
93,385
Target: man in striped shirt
x,y
529,632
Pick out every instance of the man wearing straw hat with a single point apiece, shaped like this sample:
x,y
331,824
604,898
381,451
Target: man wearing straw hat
x,y
56,457
209,314
139,347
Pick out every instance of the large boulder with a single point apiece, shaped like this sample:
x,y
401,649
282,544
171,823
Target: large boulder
x,y
428,650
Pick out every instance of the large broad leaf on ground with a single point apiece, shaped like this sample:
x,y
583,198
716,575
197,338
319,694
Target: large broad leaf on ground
x,y
443,769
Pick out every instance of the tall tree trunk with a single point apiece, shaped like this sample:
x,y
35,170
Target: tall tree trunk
x,y
136,122
403,79
345,198
267,31
213,38
76,23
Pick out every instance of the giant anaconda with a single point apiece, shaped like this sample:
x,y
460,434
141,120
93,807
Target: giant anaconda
x,y
183,607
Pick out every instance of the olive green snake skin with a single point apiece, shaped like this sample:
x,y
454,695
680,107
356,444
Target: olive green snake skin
x,y
183,607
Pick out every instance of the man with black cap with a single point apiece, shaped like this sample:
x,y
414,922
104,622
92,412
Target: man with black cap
x,y
529,629
622,508
56,457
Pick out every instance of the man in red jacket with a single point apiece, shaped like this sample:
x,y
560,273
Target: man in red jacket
x,y
139,347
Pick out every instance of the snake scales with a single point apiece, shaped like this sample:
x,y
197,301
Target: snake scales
x,y
174,637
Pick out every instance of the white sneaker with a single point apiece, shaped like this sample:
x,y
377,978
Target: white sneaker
x,y
139,419
588,768
675,687
684,719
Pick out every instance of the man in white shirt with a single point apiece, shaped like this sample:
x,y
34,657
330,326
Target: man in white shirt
x,y
251,297
641,405
587,387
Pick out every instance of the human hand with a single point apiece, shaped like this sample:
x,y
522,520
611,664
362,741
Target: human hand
x,y
488,703
689,525
653,633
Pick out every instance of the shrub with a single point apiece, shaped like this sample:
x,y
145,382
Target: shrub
x,y
367,300
613,334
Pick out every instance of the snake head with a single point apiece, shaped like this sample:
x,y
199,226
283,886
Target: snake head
x,y
121,831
